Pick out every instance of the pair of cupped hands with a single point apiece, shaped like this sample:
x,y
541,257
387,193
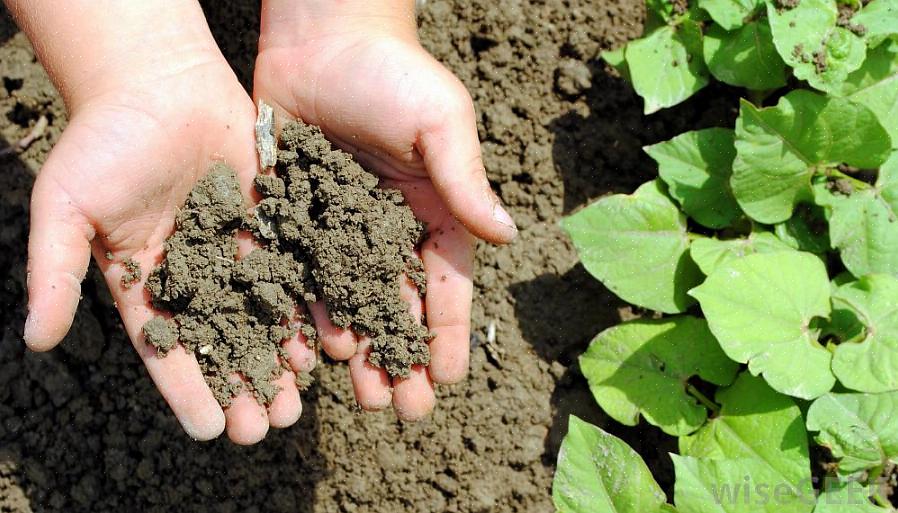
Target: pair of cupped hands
x,y
153,103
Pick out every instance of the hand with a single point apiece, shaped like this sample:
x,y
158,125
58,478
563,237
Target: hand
x,y
130,155
357,70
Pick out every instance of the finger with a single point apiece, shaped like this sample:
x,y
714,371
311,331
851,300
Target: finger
x,y
177,375
448,142
286,407
339,343
58,255
247,420
300,356
448,259
413,397
371,384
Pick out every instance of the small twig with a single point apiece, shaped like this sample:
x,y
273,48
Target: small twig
x,y
36,132
707,403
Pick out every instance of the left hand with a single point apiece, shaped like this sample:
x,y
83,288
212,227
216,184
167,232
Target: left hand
x,y
356,70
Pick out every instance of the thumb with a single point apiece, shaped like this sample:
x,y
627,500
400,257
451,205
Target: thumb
x,y
58,255
451,152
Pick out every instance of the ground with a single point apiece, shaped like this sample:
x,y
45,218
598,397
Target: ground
x,y
82,428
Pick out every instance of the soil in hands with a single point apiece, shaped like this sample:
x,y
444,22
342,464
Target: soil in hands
x,y
325,231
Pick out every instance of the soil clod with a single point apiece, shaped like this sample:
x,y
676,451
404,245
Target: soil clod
x,y
328,233
132,273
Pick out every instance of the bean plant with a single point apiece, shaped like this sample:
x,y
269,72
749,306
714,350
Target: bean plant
x,y
765,260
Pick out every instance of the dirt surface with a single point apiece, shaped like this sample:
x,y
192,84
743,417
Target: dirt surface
x,y
82,428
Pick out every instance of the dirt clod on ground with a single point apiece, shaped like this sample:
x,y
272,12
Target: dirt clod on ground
x,y
358,240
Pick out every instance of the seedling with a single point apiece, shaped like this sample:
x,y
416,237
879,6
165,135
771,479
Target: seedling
x,y
769,251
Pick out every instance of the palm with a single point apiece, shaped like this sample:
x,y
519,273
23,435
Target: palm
x,y
124,165
387,101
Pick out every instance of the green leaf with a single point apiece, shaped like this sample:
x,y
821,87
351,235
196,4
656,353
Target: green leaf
x,y
730,14
666,66
598,473
696,166
778,149
760,308
759,431
745,57
859,429
875,85
864,225
643,366
879,19
807,230
867,309
846,497
744,485
709,254
615,58
807,38
637,246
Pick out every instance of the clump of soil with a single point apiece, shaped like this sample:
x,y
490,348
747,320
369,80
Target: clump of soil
x,y
328,233
231,313
787,4
358,240
132,273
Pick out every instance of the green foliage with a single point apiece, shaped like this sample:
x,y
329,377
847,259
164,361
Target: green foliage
x,y
847,497
863,222
709,254
598,473
745,57
808,39
666,67
696,166
859,429
866,314
760,307
643,367
784,228
778,149
613,234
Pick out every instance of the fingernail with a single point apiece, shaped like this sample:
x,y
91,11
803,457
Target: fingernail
x,y
500,215
30,328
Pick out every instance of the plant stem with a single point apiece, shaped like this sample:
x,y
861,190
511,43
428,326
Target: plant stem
x,y
702,398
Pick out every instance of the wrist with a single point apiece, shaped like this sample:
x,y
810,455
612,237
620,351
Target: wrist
x,y
292,23
96,47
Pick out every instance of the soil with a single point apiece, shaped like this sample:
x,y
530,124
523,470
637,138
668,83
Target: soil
x,y
83,429
357,240
327,232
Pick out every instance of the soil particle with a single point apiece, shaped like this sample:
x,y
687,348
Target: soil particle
x,y
846,12
787,4
359,240
132,273
841,186
680,7
819,57
573,77
161,334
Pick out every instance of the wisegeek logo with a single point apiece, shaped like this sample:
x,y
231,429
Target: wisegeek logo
x,y
752,493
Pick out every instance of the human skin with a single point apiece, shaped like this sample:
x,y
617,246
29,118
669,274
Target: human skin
x,y
149,111
356,69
